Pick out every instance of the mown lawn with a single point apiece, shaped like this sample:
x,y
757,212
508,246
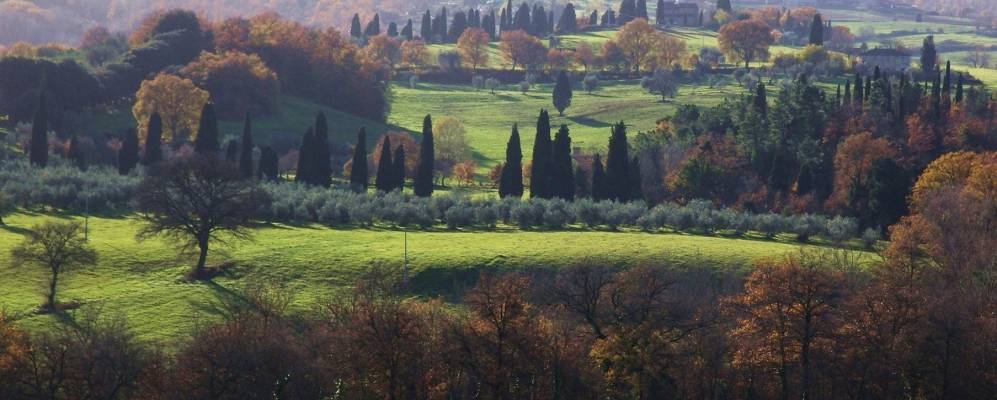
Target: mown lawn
x,y
143,280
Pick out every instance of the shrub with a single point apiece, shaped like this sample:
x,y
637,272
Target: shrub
x,y
557,214
527,214
65,187
478,82
870,237
769,224
459,215
413,81
524,87
590,83
487,213
588,212
841,228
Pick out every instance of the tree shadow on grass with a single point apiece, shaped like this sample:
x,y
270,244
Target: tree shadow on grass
x,y
15,230
589,122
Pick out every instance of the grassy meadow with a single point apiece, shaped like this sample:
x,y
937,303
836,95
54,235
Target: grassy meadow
x,y
143,279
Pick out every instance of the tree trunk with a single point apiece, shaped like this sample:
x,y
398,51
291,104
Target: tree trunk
x,y
202,258
50,299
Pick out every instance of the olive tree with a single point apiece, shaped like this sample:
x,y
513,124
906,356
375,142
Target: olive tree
x,y
195,201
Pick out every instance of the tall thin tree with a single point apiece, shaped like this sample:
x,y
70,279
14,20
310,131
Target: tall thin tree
x,y
423,185
540,168
246,150
358,171
384,181
618,165
305,171
562,93
511,181
323,162
38,154
206,143
128,153
562,173
153,141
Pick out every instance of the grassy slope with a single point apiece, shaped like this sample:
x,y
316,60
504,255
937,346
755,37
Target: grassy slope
x,y
142,279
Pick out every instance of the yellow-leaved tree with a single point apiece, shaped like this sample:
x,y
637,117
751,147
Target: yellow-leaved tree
x,y
177,100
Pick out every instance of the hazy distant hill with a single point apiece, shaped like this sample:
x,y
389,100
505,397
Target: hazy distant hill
x,y
41,21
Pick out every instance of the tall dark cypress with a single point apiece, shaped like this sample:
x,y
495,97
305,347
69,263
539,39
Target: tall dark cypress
x,y
760,100
306,159
153,141
206,143
642,9
848,93
618,165
936,98
568,21
636,190
724,5
358,171
958,89
75,153
929,56
858,90
628,11
323,164
947,83
659,13
817,31
393,29
540,169
562,93
355,29
594,18
398,168
39,135
268,165
373,27
128,153
407,30
423,185
246,150
599,190
384,181
562,173
511,181
521,21
426,29
232,151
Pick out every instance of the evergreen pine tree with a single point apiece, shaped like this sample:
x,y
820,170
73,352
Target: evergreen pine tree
x,y
443,24
153,141
562,93
929,56
407,30
540,170
549,26
817,31
392,29
323,163
75,154
373,27
358,171
423,185
511,181
268,165
246,151
659,13
642,9
128,153
39,135
936,98
398,167
618,183
355,30
306,159
628,11
206,143
947,83
958,89
426,29
594,18
868,89
457,26
521,21
725,5
858,90
562,172
848,93
509,15
599,189
384,181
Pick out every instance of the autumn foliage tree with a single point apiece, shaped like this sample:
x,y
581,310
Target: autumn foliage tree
x,y
178,102
521,48
473,47
746,41
239,83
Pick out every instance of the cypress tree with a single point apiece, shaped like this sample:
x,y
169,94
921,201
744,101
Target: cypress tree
x,y
947,84
358,172
642,9
568,21
306,159
562,173
246,151
502,21
582,188
837,95
549,26
929,56
521,21
958,89
875,73
398,167
636,191
868,89
268,164
594,18
128,153
618,183
75,154
628,11
423,185
39,135
355,30
426,29
206,143
936,98
562,93
511,181
489,26
760,100
442,30
232,151
153,141
599,189
384,181
392,29
540,169
407,30
724,5
457,26
659,13
323,164
858,90
817,31
509,12
848,92
373,27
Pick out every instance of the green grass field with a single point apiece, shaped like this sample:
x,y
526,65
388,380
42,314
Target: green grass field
x,y
143,280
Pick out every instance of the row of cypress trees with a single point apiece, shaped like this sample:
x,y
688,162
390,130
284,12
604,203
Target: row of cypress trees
x,y
552,174
391,167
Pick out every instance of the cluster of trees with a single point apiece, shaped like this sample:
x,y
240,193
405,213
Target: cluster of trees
x,y
812,324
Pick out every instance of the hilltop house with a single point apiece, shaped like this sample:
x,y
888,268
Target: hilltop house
x,y
678,14
886,59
